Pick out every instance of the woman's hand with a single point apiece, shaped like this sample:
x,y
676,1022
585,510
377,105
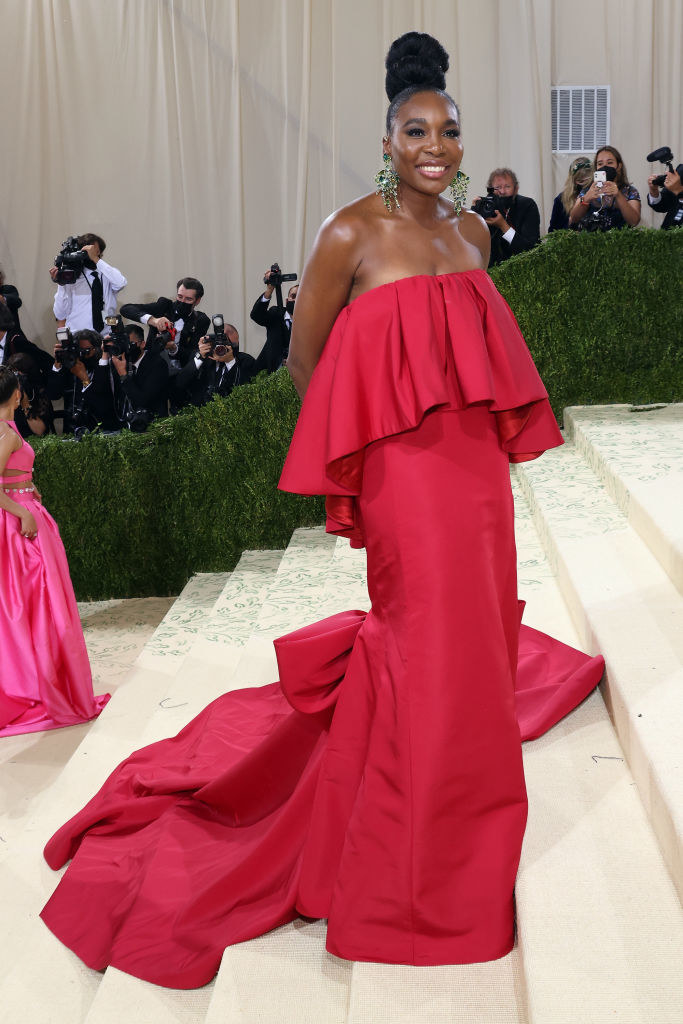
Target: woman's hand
x,y
652,188
610,189
29,527
592,193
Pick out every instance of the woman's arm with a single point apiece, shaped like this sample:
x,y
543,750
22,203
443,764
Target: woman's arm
x,y
629,208
325,287
582,204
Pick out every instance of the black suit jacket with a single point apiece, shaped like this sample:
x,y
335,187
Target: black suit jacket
x,y
277,335
523,216
98,402
16,341
147,387
672,206
198,385
196,326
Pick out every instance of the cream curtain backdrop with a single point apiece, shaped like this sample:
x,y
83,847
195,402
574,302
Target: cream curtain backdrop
x,y
210,137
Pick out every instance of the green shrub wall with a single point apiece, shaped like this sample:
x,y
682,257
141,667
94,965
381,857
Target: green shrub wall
x,y
139,513
602,315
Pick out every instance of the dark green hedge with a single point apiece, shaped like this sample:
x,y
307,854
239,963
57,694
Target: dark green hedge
x,y
602,315
139,513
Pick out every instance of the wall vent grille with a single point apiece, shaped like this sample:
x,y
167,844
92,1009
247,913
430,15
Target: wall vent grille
x,y
580,118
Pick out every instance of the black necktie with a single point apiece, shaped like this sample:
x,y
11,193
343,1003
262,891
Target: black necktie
x,y
97,301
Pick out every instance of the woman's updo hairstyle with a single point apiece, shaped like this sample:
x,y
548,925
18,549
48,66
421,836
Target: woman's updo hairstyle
x,y
416,62
9,382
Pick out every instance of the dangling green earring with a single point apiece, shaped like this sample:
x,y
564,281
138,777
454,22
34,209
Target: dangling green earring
x,y
458,189
387,181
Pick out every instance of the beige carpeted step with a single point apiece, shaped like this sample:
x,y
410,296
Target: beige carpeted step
x,y
625,606
268,594
67,987
638,456
600,928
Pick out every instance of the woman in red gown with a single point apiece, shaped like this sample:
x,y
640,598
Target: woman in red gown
x,y
379,784
45,679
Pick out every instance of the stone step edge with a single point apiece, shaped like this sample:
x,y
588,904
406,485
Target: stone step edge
x,y
640,516
643,767
179,998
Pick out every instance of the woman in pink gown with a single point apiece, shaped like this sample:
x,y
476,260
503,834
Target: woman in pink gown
x,y
45,679
379,783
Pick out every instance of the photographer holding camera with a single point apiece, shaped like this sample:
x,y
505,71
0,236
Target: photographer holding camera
x,y
13,340
86,285
82,377
178,320
670,200
513,220
610,201
141,377
217,367
277,320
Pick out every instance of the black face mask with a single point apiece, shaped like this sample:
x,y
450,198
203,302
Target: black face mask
x,y
182,310
290,306
91,358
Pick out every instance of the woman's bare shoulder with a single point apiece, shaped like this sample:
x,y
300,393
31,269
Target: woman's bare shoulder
x,y
9,441
351,221
474,230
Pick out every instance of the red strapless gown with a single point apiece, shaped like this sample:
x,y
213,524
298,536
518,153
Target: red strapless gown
x,y
379,784
45,679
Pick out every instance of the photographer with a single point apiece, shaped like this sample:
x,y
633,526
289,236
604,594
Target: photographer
x,y
612,203
515,225
178,317
142,381
82,377
669,200
13,340
578,179
11,296
277,321
217,367
91,297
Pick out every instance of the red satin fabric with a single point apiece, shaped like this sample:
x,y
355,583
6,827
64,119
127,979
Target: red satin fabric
x,y
45,679
380,783
397,352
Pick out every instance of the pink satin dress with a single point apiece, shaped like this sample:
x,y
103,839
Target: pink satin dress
x,y
379,783
45,678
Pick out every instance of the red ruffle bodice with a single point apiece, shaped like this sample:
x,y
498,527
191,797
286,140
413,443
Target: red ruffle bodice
x,y
394,353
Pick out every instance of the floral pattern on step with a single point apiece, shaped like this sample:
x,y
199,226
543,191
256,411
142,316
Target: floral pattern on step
x,y
116,632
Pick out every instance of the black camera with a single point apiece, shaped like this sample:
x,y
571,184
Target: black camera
x,y
663,155
219,341
137,420
118,343
490,204
70,261
157,342
71,351
276,277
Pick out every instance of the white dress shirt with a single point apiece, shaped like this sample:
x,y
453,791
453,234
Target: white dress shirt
x,y
73,302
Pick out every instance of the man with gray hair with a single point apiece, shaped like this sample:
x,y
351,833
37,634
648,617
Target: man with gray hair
x,y
516,225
